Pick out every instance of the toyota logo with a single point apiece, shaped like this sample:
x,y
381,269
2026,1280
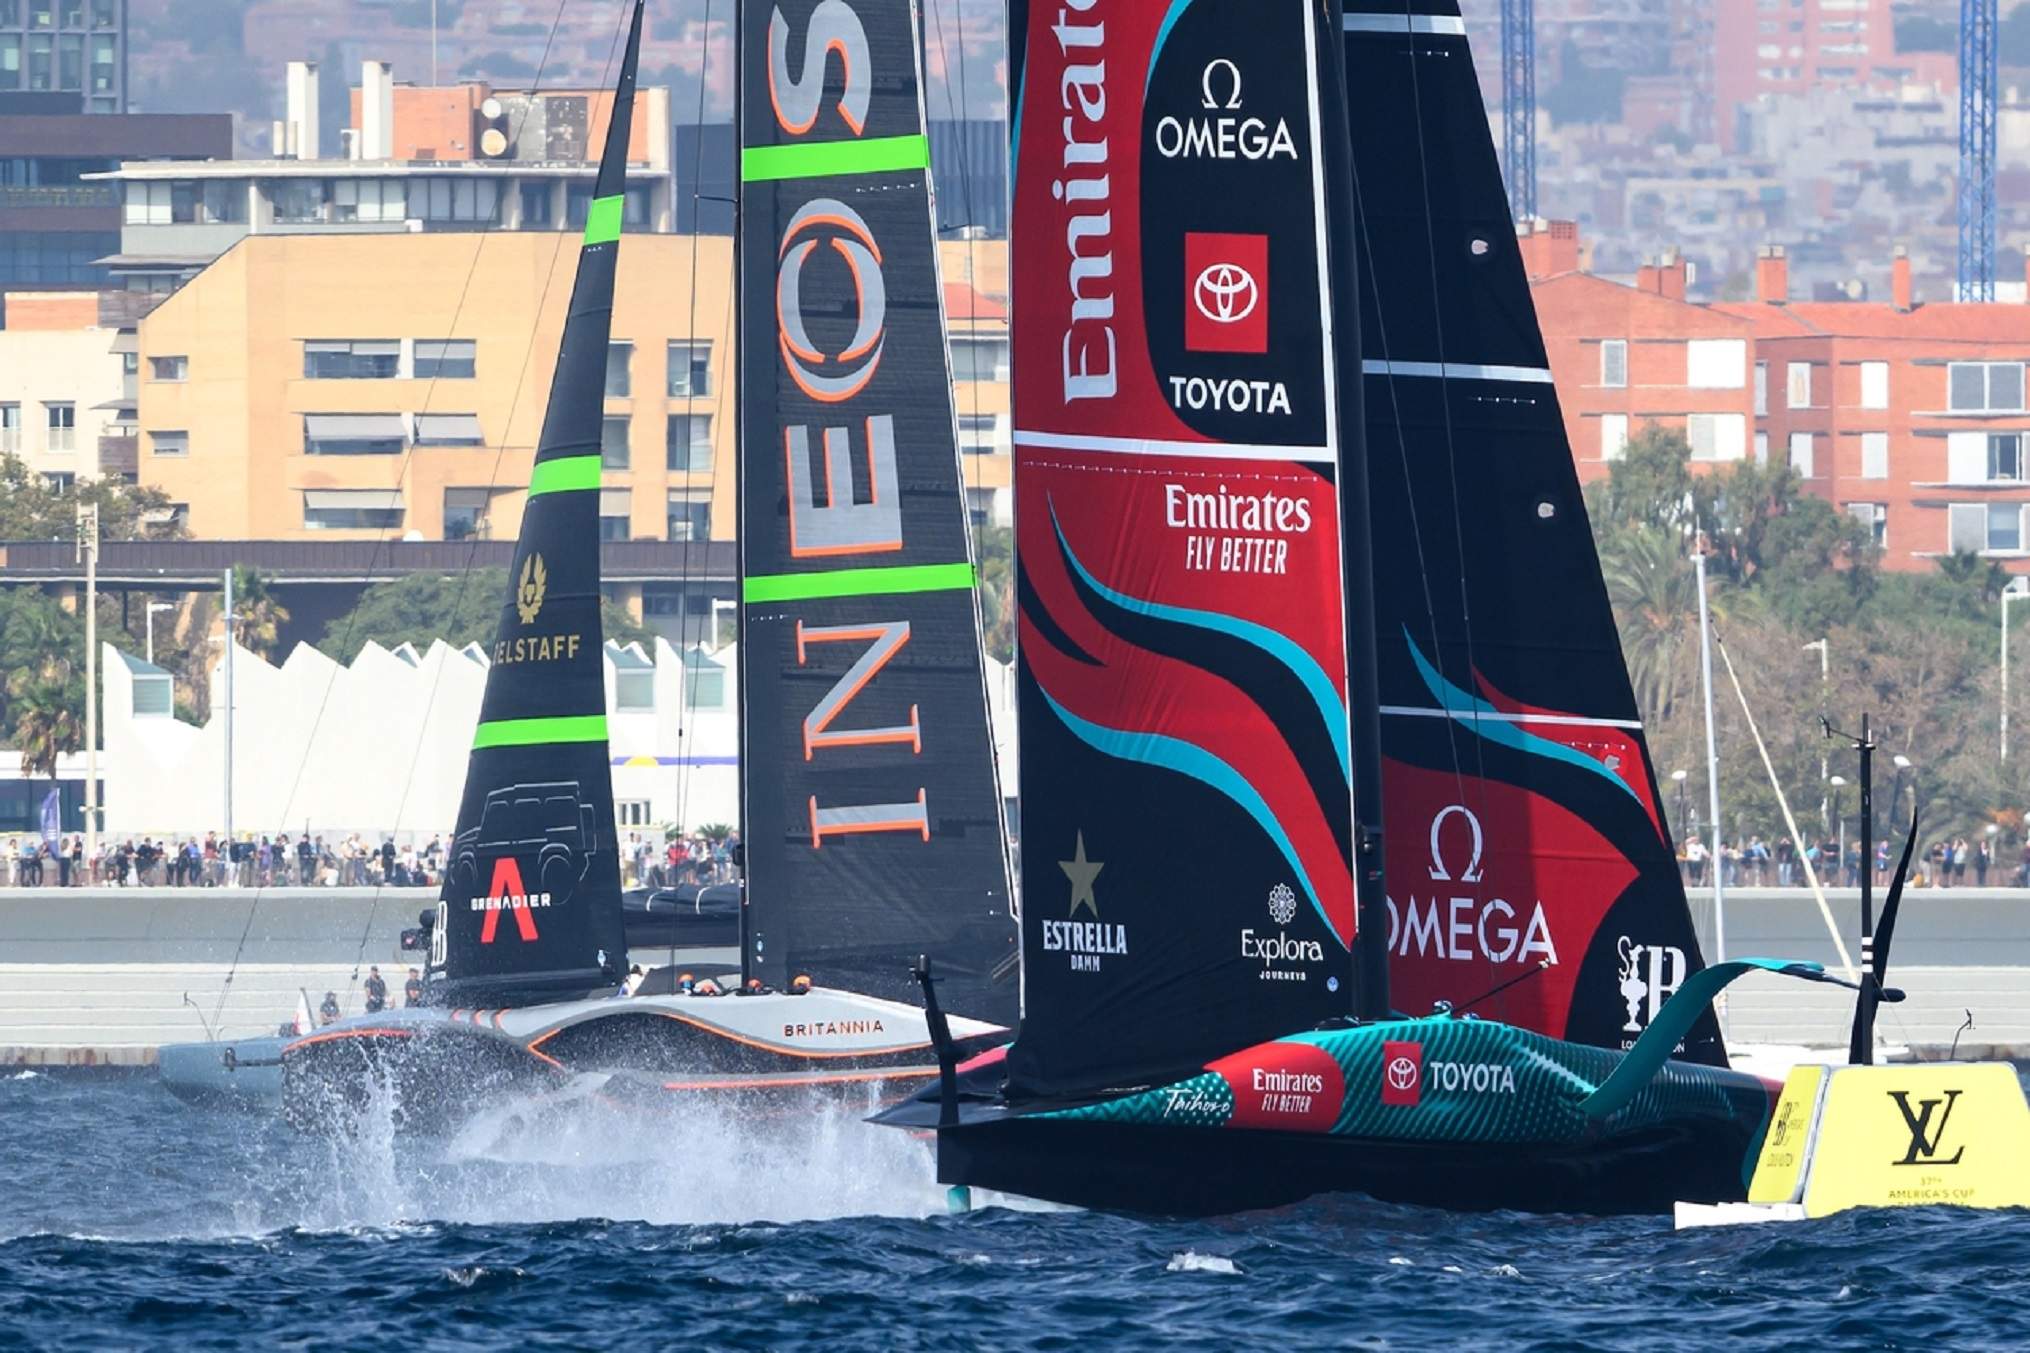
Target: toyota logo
x,y
1402,1073
1225,293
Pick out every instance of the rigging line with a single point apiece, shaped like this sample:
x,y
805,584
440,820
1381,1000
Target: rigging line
x,y
402,475
1479,748
1452,733
686,681
500,451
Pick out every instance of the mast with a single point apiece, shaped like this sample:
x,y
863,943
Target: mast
x,y
1370,944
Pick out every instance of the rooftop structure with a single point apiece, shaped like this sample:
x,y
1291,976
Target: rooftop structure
x,y
71,53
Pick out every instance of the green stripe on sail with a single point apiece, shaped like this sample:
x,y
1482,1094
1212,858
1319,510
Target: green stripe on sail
x,y
878,156
537,732
858,582
602,223
564,475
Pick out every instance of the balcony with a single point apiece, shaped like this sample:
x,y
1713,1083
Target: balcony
x,y
119,455
64,195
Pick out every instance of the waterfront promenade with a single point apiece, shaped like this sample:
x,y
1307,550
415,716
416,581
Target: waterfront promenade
x,y
102,975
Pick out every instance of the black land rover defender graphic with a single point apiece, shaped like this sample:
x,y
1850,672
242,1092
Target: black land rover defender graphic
x,y
547,822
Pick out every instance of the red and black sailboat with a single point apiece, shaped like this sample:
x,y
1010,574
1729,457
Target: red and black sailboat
x,y
872,818
1300,548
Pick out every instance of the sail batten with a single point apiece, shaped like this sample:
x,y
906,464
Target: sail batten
x,y
536,843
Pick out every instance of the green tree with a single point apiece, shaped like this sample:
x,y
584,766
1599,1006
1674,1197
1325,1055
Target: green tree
x,y
460,609
31,510
1651,485
47,704
258,617
997,589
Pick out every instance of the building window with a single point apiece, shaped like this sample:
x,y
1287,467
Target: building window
x,y
147,203
449,359
618,357
62,422
1984,458
168,368
1874,516
979,359
352,359
59,481
10,429
1614,363
41,57
1761,389
1717,436
459,199
465,513
170,443
10,61
704,681
613,442
105,13
1985,387
1874,385
299,201
1797,385
1801,454
690,443
536,208
2005,527
354,434
449,429
615,515
631,812
690,370
1613,435
368,200
983,434
1716,363
1874,455
690,514
352,509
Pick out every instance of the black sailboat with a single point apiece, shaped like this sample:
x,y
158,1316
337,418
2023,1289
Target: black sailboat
x,y
872,818
1300,547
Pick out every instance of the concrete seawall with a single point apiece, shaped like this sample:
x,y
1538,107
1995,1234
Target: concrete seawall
x,y
102,975
106,975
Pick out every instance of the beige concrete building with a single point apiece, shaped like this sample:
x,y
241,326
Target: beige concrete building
x,y
60,388
361,386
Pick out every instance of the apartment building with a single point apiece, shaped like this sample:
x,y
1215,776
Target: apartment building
x,y
459,158
75,50
1792,46
61,388
337,386
1911,416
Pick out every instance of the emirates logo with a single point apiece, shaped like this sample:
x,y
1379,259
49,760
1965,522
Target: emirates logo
x,y
1225,293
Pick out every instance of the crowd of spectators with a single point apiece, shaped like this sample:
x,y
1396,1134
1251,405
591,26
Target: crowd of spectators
x,y
278,861
1754,863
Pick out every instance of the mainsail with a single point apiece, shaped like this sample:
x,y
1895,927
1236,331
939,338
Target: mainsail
x,y
1186,755
872,815
1523,806
530,908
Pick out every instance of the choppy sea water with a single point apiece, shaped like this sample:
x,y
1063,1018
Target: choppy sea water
x,y
128,1219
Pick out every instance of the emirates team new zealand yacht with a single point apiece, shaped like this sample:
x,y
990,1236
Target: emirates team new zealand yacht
x,y
872,819
1300,548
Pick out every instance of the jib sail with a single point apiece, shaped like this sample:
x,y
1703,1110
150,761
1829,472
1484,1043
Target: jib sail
x,y
530,908
1523,806
873,818
1187,811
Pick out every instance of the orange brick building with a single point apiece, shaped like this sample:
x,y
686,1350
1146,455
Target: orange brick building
x,y
1911,416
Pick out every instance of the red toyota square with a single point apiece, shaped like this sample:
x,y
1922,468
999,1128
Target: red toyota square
x,y
1402,1073
1226,293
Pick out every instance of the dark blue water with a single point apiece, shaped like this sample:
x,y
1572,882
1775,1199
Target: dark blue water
x,y
127,1219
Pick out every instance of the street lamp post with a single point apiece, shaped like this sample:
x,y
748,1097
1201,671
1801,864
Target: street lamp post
x,y
1896,794
1839,782
88,546
2009,594
1678,778
1825,649
153,608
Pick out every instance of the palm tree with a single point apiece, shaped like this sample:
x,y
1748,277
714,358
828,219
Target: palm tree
x,y
1656,606
48,707
257,616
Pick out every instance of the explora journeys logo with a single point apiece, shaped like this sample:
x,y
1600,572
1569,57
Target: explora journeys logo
x,y
1276,951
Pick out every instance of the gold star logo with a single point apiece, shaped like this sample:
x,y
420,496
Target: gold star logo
x,y
1082,872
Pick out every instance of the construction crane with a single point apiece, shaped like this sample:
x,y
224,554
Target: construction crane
x,y
1519,104
1978,43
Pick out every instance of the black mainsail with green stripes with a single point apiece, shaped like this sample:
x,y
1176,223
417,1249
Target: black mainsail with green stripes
x,y
530,910
873,819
